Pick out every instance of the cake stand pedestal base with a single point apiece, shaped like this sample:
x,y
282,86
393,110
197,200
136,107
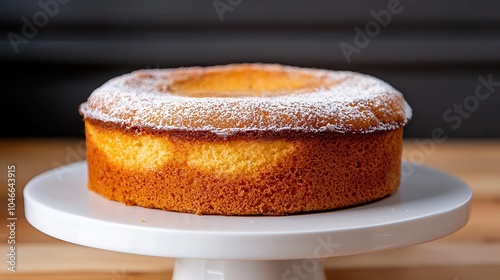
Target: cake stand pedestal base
x,y
189,269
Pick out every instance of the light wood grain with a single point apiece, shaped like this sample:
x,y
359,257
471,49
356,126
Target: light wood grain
x,y
40,257
476,162
471,253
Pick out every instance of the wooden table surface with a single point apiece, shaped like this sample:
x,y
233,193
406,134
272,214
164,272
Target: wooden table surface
x,y
471,253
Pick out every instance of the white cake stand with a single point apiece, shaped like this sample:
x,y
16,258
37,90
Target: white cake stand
x,y
428,205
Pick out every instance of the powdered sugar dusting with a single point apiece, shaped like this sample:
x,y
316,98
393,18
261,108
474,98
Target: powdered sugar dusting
x,y
355,103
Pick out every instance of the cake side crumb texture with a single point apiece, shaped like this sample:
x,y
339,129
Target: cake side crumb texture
x,y
244,139
319,174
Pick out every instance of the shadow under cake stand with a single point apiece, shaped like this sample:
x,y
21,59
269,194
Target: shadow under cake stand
x,y
428,205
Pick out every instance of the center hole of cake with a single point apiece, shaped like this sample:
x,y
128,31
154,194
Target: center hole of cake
x,y
242,82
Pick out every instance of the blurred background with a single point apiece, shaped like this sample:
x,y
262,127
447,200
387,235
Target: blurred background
x,y
443,55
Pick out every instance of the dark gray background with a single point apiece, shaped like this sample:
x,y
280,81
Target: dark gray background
x,y
432,51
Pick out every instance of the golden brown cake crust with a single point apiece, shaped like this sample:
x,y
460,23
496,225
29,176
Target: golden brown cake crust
x,y
323,172
249,97
244,139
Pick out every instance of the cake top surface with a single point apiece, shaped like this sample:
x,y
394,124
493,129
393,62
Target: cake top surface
x,y
248,97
